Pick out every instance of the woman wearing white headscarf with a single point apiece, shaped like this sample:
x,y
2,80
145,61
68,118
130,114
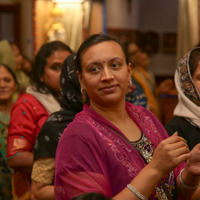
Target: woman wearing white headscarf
x,y
187,111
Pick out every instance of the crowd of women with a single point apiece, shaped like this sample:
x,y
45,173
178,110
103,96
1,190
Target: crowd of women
x,y
86,127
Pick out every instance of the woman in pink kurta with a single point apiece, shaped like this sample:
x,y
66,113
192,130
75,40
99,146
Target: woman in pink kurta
x,y
113,147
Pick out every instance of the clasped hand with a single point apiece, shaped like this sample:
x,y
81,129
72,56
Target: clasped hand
x,y
193,163
170,153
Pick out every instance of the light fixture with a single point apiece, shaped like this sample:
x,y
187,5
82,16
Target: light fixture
x,y
67,1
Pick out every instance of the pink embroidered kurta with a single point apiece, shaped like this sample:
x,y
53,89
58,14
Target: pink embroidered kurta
x,y
91,157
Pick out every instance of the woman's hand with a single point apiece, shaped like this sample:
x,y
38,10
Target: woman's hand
x,y
193,163
169,154
191,176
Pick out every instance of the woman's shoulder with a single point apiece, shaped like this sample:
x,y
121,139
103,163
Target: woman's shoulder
x,y
28,105
179,124
28,100
80,127
177,121
139,109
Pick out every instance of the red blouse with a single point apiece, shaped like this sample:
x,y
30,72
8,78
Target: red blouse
x,y
27,117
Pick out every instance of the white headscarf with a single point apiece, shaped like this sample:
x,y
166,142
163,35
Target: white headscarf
x,y
189,97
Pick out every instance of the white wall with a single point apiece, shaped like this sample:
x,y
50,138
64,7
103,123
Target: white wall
x,y
147,15
160,17
119,17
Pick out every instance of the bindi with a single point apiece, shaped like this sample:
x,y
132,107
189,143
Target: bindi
x,y
103,61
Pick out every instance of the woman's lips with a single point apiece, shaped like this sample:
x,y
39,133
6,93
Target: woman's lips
x,y
109,88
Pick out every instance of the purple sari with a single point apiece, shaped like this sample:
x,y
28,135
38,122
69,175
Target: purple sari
x,y
91,157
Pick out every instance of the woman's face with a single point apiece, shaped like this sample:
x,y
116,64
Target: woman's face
x,y
7,84
26,66
51,77
196,77
18,57
105,74
144,61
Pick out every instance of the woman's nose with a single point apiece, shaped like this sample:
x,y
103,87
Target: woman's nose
x,y
107,74
2,83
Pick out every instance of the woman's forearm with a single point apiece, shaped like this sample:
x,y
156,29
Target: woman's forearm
x,y
145,182
40,191
22,162
189,180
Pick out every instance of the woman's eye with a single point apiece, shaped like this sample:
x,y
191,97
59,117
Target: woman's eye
x,y
95,69
56,67
7,80
115,65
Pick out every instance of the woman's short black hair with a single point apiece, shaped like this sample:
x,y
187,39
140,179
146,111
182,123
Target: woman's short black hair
x,y
40,62
10,71
194,60
91,196
92,40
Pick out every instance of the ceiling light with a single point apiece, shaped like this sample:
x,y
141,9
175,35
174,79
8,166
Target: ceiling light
x,y
67,1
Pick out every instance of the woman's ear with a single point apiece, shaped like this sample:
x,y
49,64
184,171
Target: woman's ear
x,y
80,78
129,70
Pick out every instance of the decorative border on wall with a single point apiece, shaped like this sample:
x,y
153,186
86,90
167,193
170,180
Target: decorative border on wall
x,y
148,41
128,35
169,42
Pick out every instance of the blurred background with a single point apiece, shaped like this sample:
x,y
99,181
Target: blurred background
x,y
164,29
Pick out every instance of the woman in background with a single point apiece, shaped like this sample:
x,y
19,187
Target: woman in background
x,y
46,143
187,112
22,78
31,111
27,65
8,86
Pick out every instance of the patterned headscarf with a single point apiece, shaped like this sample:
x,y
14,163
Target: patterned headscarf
x,y
49,135
189,97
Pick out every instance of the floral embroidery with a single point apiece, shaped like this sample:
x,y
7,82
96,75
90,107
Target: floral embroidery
x,y
69,72
53,118
115,143
36,144
146,148
187,84
46,137
146,124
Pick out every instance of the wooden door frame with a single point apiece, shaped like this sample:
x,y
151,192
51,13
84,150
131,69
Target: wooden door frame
x,y
15,10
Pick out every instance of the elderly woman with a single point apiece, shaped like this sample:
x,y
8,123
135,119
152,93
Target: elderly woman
x,y
8,86
114,147
31,111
